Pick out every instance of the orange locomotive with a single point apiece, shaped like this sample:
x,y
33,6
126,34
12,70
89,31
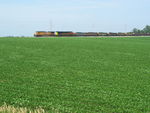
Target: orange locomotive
x,y
44,34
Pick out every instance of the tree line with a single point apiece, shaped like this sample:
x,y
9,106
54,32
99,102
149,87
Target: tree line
x,y
145,30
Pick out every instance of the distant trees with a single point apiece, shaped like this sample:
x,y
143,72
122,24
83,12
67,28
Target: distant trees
x,y
135,30
145,30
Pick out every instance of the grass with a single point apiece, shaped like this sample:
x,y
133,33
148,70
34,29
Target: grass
x,y
10,109
83,75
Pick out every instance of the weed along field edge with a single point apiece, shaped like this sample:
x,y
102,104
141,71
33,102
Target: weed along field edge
x,y
75,75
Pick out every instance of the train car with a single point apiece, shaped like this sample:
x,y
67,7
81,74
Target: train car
x,y
102,34
130,34
80,34
91,34
86,34
64,33
137,34
122,34
147,34
112,34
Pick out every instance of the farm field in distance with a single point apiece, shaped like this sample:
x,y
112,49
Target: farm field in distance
x,y
76,75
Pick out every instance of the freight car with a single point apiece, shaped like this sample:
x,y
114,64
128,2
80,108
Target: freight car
x,y
122,34
86,34
102,34
112,34
91,34
80,34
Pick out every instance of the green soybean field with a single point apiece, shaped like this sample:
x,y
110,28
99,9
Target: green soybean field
x,y
76,74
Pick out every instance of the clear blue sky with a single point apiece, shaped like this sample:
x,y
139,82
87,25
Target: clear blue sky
x,y
24,17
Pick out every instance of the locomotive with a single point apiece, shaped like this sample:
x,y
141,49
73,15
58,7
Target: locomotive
x,y
53,33
44,34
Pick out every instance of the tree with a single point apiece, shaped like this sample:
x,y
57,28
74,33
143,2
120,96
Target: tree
x,y
135,30
146,29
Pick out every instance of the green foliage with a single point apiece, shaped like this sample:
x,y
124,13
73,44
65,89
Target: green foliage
x,y
145,30
83,75
135,30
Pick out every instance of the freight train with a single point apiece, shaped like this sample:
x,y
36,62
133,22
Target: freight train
x,y
80,34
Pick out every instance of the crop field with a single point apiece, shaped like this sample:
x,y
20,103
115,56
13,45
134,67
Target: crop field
x,y
76,75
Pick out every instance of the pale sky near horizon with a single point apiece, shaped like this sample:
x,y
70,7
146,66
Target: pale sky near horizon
x,y
24,17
